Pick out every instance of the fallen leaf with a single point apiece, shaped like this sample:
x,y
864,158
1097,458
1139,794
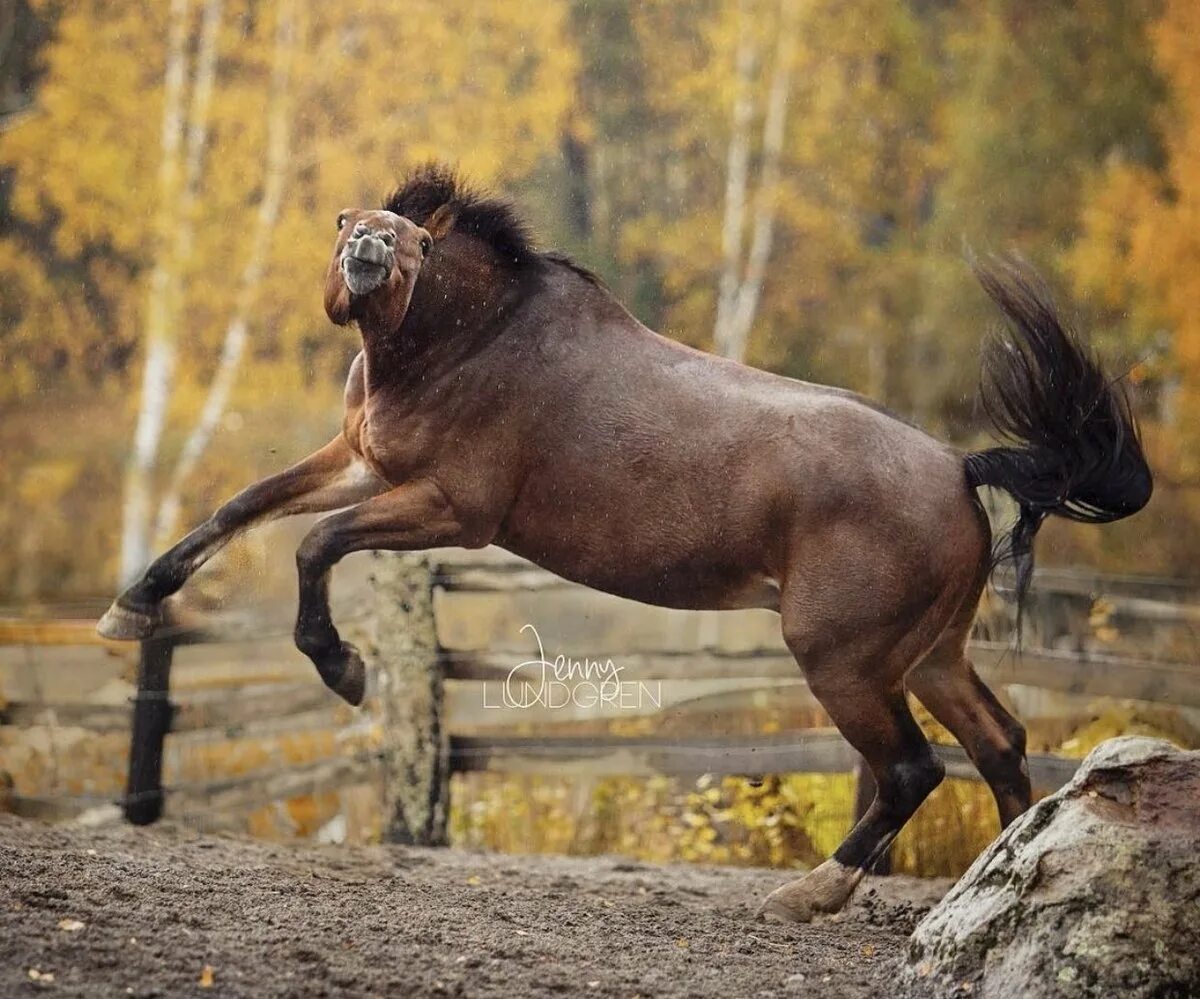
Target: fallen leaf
x,y
71,925
474,879
206,977
681,942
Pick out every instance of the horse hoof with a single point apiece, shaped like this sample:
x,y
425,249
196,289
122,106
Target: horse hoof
x,y
825,889
351,686
126,624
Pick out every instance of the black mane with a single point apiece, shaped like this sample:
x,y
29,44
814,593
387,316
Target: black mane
x,y
491,219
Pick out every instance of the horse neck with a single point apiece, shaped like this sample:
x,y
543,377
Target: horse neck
x,y
458,306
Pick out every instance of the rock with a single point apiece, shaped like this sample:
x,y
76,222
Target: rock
x,y
1095,891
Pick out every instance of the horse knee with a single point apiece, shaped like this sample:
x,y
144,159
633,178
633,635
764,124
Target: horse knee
x,y
310,556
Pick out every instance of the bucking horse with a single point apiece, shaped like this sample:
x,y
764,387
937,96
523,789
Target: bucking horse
x,y
504,396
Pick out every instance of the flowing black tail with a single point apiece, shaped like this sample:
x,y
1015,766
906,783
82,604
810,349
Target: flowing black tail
x,y
1074,447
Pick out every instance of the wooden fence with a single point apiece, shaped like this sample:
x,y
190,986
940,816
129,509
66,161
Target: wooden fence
x,y
443,634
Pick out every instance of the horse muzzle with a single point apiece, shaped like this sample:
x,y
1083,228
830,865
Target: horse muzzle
x,y
366,264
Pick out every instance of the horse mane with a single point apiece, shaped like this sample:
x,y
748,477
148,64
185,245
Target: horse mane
x,y
493,220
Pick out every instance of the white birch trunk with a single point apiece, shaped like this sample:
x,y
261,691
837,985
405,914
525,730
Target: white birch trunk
x,y
177,217
160,347
737,172
742,280
236,333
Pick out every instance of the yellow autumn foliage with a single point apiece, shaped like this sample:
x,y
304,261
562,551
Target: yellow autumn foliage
x,y
790,820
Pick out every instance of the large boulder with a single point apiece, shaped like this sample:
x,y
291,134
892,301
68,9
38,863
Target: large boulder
x,y
1095,891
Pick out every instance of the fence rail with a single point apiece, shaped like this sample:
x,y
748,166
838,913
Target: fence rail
x,y
275,708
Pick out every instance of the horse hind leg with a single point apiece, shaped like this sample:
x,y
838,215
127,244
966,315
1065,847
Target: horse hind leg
x,y
947,684
861,686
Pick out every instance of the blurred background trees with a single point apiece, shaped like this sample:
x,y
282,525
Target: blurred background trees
x,y
790,181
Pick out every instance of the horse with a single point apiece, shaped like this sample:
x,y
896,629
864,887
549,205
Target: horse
x,y
503,395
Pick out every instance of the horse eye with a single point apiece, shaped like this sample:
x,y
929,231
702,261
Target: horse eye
x,y
426,245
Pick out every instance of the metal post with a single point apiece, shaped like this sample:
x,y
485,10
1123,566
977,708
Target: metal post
x,y
152,711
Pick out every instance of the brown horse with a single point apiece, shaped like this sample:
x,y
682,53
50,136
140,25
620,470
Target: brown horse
x,y
504,396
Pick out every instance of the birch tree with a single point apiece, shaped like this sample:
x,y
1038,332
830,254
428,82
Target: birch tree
x,y
179,184
744,267
275,172
169,210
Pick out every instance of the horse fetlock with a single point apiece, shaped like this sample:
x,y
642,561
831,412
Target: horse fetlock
x,y
823,890
342,669
351,686
128,623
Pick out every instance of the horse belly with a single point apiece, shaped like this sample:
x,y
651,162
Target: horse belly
x,y
660,531
692,583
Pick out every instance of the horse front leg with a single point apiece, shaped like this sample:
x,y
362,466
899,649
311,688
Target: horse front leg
x,y
407,518
327,479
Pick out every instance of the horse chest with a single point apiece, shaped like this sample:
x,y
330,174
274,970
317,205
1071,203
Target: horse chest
x,y
393,453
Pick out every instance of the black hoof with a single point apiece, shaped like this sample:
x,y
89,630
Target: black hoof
x,y
351,675
127,623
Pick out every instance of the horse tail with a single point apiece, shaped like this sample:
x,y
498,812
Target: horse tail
x,y
1073,444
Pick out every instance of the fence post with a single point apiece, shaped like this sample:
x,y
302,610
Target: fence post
x,y
403,656
152,711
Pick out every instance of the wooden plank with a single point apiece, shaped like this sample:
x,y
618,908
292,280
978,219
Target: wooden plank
x,y
1068,672
502,571
254,790
1046,771
80,714
821,751
336,718
1090,674
203,799
254,709
705,664
472,706
252,704
73,623
19,631
1090,583
183,626
812,751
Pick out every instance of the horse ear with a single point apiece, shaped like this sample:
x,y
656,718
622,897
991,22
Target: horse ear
x,y
442,221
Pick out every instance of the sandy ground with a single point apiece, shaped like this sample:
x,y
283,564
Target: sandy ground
x,y
167,912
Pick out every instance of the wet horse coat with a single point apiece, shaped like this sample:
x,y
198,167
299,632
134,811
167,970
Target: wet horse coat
x,y
504,396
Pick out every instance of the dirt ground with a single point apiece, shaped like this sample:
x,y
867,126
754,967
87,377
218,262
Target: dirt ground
x,y
166,912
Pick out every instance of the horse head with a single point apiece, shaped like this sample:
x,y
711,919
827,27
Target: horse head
x,y
375,265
